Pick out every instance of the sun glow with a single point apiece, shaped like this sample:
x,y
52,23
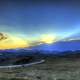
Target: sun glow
x,y
13,42
48,39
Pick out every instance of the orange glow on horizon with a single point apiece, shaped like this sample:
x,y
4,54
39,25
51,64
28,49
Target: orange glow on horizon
x,y
13,42
48,39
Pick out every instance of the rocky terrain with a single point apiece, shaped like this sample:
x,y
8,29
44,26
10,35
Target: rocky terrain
x,y
54,68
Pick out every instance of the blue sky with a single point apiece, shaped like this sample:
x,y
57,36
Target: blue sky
x,y
29,18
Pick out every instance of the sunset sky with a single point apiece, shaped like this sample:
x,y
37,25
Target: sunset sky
x,y
25,21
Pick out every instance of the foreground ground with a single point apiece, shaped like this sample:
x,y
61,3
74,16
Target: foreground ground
x,y
51,69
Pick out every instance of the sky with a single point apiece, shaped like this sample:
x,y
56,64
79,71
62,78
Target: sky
x,y
33,19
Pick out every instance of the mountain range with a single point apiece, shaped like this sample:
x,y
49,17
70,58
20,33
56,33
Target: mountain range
x,y
57,47
60,46
66,49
